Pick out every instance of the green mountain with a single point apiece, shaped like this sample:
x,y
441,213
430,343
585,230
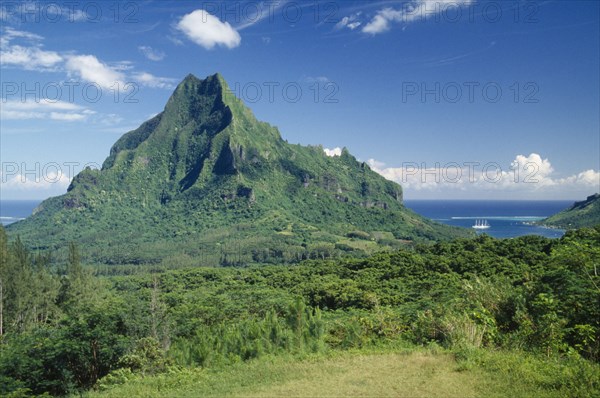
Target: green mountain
x,y
582,214
205,180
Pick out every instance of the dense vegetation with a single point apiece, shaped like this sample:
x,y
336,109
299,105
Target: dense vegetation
x,y
66,330
327,260
582,214
205,180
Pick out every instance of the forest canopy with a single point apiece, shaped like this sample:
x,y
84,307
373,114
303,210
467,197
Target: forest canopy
x,y
69,327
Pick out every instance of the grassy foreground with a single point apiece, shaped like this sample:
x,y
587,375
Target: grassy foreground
x,y
406,373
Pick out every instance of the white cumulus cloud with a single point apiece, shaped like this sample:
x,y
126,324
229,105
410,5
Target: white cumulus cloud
x,y
90,69
525,176
337,151
208,31
30,56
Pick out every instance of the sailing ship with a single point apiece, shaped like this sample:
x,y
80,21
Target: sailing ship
x,y
481,224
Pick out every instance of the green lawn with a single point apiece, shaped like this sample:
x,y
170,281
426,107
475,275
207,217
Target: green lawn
x,y
418,373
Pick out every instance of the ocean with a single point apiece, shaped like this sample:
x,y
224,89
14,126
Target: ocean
x,y
14,210
507,218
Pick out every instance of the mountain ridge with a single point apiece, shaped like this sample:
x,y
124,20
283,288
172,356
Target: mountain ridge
x,y
585,213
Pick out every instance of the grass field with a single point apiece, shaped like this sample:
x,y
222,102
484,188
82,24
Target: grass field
x,y
420,373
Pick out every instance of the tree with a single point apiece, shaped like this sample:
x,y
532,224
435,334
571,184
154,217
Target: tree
x,y
19,287
159,327
77,283
46,288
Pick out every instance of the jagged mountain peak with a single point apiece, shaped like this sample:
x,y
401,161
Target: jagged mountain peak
x,y
191,87
197,108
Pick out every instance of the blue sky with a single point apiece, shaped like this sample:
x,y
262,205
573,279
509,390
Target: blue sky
x,y
452,99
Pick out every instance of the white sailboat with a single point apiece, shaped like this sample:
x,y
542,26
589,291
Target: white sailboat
x,y
481,224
